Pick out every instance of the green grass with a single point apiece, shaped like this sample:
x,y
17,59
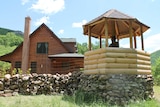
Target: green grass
x,y
59,101
34,101
157,92
67,101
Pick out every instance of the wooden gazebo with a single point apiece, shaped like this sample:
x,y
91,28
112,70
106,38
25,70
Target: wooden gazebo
x,y
111,59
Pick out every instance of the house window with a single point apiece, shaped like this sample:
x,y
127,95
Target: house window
x,y
65,65
33,67
17,66
42,47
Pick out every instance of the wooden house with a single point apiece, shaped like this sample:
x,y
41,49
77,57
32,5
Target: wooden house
x,y
43,52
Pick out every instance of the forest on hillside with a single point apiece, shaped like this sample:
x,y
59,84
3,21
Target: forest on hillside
x,y
8,42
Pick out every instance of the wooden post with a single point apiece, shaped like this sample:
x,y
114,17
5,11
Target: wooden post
x,y
130,33
135,42
142,37
113,28
106,32
100,41
116,31
89,39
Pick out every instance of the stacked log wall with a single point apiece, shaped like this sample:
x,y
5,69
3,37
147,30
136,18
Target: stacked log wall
x,y
117,61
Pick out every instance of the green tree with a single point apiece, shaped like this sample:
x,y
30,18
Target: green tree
x,y
82,48
4,40
13,39
156,72
10,39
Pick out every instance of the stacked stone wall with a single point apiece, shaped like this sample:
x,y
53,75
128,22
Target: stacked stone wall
x,y
117,88
113,88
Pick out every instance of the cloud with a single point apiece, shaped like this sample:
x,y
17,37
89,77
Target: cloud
x,y
79,24
24,2
48,6
44,19
152,43
61,31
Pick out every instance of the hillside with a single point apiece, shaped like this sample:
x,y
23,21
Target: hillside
x,y
4,31
155,55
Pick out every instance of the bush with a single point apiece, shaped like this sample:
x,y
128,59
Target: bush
x,y
156,72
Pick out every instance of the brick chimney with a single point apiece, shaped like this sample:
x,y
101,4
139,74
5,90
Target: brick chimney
x,y
26,44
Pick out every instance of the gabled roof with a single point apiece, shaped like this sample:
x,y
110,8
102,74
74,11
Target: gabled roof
x,y
44,25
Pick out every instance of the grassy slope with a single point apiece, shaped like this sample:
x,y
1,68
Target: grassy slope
x,y
61,101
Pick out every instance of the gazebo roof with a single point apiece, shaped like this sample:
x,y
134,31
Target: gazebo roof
x,y
118,24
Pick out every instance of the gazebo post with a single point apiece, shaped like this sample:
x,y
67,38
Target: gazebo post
x,y
116,30
100,41
130,34
106,31
89,37
135,42
142,37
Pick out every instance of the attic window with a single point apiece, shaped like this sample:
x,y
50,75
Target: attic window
x,y
42,47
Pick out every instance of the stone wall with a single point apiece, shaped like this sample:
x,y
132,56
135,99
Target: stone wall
x,y
117,88
36,84
113,88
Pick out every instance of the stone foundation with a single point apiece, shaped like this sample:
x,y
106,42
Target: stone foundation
x,y
113,88
117,88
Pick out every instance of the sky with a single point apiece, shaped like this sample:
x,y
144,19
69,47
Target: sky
x,y
66,17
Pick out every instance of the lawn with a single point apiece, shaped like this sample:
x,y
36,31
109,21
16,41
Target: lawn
x,y
66,101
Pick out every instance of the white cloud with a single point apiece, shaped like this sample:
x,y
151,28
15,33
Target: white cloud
x,y
24,2
79,24
152,43
48,6
61,31
44,19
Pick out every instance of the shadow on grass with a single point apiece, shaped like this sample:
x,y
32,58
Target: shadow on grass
x,y
85,99
91,100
